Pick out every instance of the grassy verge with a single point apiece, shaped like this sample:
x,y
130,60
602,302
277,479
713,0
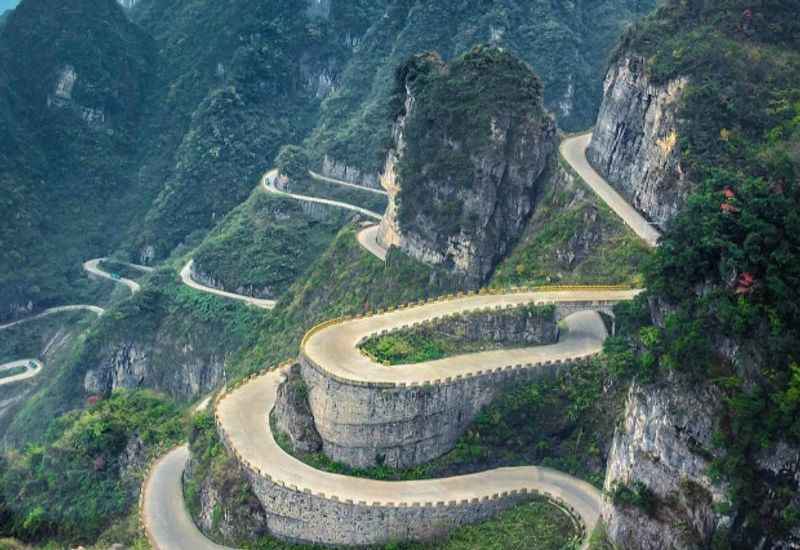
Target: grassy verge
x,y
446,338
573,238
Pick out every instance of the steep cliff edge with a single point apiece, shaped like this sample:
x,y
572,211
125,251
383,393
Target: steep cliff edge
x,y
471,141
635,142
707,453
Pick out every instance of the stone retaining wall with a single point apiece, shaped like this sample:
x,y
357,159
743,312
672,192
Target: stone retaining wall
x,y
304,516
362,425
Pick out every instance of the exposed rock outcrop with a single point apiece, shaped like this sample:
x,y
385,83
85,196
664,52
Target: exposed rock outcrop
x,y
635,142
192,371
292,414
665,443
341,171
228,511
471,141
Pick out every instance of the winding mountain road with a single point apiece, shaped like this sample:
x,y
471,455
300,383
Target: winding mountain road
x,y
188,280
53,310
243,413
32,368
92,267
328,179
268,181
573,149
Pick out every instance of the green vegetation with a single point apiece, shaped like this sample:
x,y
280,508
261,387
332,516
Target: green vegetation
x,y
293,162
265,244
566,422
456,102
68,184
355,123
345,280
82,477
166,318
440,339
7,373
122,269
638,495
231,102
573,238
365,199
726,275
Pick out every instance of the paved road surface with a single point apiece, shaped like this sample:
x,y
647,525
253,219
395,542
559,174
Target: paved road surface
x,y
368,238
92,267
29,372
168,524
268,184
244,412
320,177
574,151
244,416
186,277
335,348
53,310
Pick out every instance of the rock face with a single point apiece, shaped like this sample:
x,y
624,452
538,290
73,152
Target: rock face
x,y
635,141
471,141
665,442
131,365
341,171
228,511
292,415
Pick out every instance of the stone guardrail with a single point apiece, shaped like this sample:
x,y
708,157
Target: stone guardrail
x,y
459,295
254,471
504,371
434,320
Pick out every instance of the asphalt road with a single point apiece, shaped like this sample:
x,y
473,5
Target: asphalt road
x,y
573,149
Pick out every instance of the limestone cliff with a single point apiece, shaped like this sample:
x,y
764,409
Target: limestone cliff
x,y
471,140
635,142
665,443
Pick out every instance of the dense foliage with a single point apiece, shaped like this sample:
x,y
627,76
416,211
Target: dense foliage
x,y
566,43
727,274
264,245
80,479
573,238
66,157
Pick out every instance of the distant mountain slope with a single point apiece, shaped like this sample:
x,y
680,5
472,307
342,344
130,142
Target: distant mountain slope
x,y
74,78
566,43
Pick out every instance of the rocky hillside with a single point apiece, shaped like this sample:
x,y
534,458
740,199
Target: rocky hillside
x,y
566,43
723,283
74,83
471,141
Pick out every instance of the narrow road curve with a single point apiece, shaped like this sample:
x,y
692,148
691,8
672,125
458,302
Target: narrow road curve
x,y
32,368
573,149
243,414
37,367
53,310
268,182
92,267
186,277
328,179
